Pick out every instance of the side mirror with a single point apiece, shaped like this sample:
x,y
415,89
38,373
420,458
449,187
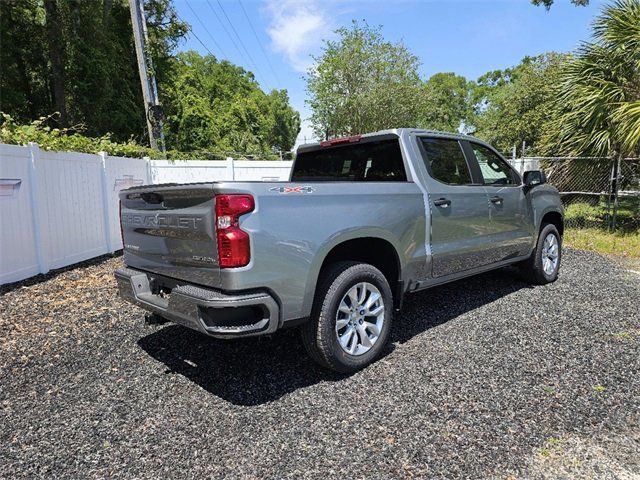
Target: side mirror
x,y
534,177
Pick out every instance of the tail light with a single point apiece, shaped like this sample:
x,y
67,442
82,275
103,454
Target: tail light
x,y
233,242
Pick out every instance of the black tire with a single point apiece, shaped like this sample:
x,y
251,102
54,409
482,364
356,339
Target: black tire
x,y
319,334
532,268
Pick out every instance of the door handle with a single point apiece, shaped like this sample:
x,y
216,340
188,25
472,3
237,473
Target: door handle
x,y
442,202
497,200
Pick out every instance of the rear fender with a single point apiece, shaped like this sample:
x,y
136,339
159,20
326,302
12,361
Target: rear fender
x,y
330,244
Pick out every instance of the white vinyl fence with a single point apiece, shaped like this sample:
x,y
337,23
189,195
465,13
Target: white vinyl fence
x,y
60,208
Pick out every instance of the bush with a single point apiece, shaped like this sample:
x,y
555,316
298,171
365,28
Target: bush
x,y
66,139
61,139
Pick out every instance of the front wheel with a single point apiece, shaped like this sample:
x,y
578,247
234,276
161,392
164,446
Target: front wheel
x,y
351,317
544,264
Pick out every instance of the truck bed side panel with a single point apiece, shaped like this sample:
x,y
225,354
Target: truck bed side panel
x,y
292,232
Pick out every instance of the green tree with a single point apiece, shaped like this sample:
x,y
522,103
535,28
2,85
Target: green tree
x,y
284,122
444,102
77,58
219,107
597,107
362,83
24,71
55,44
514,105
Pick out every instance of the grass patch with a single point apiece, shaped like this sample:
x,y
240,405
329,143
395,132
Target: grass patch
x,y
598,215
601,241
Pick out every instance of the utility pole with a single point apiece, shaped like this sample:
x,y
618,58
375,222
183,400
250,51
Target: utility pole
x,y
152,108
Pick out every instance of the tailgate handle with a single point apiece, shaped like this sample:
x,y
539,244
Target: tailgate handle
x,y
151,197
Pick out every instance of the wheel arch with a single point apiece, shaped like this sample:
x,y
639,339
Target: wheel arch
x,y
375,248
553,217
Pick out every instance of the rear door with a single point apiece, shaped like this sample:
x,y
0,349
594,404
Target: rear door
x,y
460,230
511,227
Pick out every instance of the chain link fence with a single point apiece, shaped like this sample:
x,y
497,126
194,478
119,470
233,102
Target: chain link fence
x,y
596,192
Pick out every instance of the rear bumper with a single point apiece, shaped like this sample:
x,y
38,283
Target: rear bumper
x,y
208,311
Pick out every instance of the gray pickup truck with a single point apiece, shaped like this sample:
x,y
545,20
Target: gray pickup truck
x,y
363,221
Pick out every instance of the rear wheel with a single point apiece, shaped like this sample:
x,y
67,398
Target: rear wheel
x,y
351,317
544,264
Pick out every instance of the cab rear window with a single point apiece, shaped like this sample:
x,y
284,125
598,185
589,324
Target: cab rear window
x,y
366,161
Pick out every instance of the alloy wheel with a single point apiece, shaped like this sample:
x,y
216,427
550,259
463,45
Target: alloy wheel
x,y
550,254
360,318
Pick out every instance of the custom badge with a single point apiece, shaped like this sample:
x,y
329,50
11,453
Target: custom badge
x,y
283,189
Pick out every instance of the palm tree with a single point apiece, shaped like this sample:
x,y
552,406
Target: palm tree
x,y
598,98
597,105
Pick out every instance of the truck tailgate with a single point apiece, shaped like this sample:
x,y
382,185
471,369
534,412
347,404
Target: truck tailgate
x,y
170,230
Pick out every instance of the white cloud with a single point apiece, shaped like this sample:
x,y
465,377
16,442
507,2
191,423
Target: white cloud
x,y
297,29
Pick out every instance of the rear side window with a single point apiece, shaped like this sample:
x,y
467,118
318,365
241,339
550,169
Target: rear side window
x,y
368,161
445,161
495,171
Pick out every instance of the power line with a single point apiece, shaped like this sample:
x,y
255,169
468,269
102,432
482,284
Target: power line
x,y
206,30
238,37
194,34
200,41
275,75
226,31
191,32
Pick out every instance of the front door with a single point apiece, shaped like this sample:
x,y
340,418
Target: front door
x,y
459,208
511,231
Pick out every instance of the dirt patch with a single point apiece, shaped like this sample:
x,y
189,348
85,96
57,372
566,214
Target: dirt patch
x,y
59,303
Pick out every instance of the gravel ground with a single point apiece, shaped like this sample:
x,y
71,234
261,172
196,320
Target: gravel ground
x,y
485,378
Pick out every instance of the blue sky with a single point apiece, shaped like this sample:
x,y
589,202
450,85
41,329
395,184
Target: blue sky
x,y
466,37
